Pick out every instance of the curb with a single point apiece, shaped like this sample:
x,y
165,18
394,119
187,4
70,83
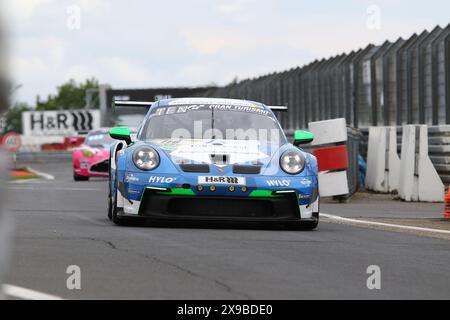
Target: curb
x,y
381,225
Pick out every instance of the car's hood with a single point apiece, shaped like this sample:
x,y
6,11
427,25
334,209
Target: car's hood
x,y
218,152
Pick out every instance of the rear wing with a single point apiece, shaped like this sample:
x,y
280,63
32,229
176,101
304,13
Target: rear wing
x,y
131,104
148,104
278,108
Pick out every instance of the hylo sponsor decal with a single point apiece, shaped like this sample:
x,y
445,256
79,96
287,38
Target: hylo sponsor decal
x,y
156,179
279,183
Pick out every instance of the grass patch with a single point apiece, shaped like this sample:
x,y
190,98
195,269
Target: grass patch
x,y
21,174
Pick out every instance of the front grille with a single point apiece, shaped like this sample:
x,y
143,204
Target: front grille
x,y
245,169
102,167
219,159
220,208
235,208
194,167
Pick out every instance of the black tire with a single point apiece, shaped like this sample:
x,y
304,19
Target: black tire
x,y
109,191
311,225
80,178
308,225
109,205
116,219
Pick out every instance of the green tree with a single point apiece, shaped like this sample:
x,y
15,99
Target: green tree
x,y
70,95
14,117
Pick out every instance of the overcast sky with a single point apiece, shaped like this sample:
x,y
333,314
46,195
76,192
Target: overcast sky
x,y
138,44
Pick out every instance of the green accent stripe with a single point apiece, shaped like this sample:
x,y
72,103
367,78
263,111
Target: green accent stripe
x,y
262,194
178,192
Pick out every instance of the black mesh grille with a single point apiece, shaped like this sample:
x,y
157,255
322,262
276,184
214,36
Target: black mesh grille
x,y
194,167
102,167
220,208
180,207
242,169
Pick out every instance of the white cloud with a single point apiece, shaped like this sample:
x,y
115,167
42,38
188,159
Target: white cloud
x,y
126,71
23,9
171,42
231,6
212,40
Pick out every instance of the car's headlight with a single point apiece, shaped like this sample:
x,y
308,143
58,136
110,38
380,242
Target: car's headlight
x,y
146,158
88,153
292,162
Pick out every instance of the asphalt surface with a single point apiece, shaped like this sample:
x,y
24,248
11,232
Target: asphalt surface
x,y
61,223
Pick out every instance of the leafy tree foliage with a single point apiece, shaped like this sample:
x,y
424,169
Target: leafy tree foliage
x,y
70,95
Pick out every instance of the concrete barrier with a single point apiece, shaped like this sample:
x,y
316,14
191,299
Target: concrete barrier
x,y
331,134
418,179
438,148
383,162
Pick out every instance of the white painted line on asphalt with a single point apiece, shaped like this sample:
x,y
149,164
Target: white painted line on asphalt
x,y
27,294
46,176
40,188
381,224
24,181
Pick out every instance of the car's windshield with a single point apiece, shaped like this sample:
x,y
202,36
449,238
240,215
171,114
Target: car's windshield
x,y
213,122
99,140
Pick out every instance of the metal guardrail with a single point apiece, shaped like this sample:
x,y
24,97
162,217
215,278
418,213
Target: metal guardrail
x,y
44,156
439,150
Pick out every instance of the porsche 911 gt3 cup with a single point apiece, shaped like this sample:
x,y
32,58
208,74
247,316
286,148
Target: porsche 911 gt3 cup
x,y
217,160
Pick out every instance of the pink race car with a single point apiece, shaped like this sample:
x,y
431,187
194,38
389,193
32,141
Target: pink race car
x,y
92,158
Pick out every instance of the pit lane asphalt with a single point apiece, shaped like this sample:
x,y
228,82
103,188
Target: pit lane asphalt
x,y
61,223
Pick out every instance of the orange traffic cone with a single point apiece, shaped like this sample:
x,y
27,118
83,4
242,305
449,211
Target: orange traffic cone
x,y
447,205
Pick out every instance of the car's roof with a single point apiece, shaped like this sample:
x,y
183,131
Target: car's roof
x,y
222,101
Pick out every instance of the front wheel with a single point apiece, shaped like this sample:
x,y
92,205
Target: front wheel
x,y
115,218
309,225
79,178
109,205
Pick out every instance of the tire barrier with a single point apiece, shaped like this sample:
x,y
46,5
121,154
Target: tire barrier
x,y
419,180
383,162
332,156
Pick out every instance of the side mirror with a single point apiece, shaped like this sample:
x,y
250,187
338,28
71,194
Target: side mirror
x,y
302,137
121,133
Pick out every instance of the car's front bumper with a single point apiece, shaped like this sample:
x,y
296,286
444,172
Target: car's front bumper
x,y
183,204
96,169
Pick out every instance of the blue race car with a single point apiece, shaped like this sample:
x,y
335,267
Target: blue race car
x,y
212,160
